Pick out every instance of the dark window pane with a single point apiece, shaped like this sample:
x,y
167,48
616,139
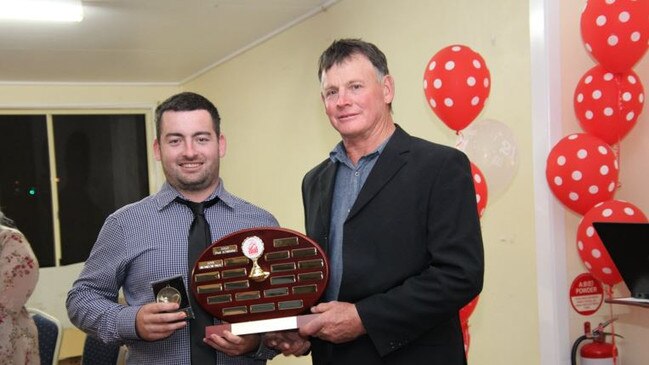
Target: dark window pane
x,y
25,194
101,166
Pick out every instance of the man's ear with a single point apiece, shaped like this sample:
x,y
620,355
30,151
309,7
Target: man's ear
x,y
388,89
156,149
223,144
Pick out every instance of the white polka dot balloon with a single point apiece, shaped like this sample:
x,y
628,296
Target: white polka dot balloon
x,y
492,145
456,84
590,247
608,105
480,185
615,33
582,170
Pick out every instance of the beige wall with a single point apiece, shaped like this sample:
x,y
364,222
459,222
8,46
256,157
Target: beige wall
x,y
80,95
274,120
633,322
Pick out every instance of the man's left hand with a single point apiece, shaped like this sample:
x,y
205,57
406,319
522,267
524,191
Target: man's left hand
x,y
233,345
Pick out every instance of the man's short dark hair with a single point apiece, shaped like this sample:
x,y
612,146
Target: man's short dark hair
x,y
184,102
342,49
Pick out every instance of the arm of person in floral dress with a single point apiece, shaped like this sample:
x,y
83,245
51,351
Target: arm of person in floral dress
x,y
18,272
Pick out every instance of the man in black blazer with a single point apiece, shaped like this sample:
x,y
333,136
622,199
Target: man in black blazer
x,y
397,217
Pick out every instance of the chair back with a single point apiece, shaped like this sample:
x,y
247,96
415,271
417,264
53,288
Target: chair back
x,y
96,352
50,333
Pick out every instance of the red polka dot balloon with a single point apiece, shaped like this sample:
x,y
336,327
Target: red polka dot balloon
x,y
480,185
466,337
582,170
590,247
615,32
456,85
468,309
607,104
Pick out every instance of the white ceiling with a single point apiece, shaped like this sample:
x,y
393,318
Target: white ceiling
x,y
143,41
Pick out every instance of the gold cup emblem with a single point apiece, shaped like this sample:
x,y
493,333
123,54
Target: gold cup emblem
x,y
253,247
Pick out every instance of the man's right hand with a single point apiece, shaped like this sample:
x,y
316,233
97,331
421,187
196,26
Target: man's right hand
x,y
155,321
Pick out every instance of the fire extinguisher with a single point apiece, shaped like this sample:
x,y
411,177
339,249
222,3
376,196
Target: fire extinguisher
x,y
597,352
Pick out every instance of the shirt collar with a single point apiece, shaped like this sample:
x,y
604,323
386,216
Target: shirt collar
x,y
168,193
339,154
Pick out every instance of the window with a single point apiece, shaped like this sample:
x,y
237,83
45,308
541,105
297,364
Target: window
x,y
25,194
100,162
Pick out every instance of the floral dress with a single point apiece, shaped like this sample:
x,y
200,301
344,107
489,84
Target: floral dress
x,y
18,277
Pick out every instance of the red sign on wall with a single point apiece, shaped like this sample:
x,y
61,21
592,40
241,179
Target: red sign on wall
x,y
586,294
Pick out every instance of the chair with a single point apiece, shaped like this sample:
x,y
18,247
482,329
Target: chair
x,y
50,334
96,352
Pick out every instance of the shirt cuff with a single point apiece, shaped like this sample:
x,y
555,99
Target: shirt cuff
x,y
126,323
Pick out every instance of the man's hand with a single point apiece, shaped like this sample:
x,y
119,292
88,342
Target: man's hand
x,y
155,321
288,342
338,322
233,345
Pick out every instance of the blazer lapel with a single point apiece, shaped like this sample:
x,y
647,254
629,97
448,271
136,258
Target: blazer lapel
x,y
325,187
391,160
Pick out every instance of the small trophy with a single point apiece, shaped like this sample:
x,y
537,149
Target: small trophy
x,y
260,280
172,290
252,248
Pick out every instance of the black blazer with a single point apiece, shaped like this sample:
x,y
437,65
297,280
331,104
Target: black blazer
x,y
412,253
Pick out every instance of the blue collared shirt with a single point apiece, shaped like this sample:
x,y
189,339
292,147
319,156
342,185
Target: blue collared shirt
x,y
145,242
348,184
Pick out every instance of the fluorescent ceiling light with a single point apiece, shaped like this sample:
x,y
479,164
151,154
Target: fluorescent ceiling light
x,y
42,10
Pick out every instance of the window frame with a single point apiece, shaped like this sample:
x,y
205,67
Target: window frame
x,y
154,171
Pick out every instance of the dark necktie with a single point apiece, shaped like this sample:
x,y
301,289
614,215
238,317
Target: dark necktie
x,y
199,239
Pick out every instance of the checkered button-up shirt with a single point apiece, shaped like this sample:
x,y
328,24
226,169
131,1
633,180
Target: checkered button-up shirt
x,y
142,243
